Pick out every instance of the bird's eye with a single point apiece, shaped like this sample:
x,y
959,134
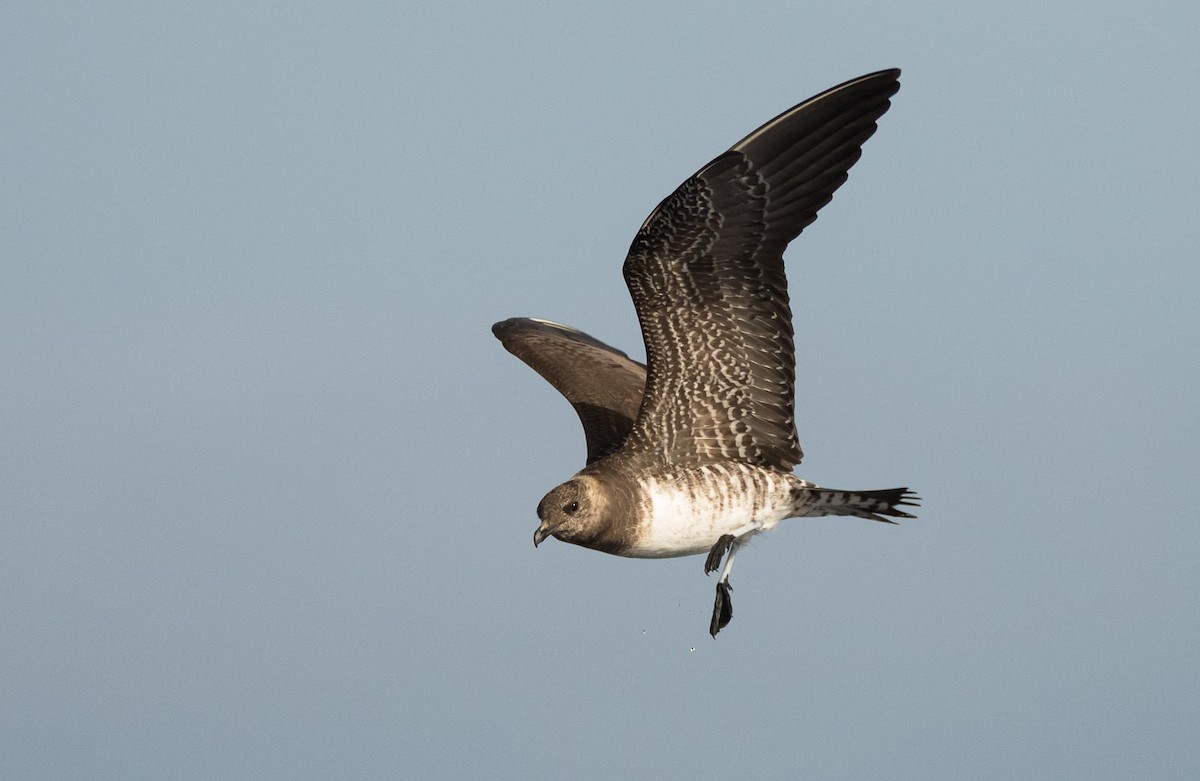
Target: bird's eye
x,y
571,508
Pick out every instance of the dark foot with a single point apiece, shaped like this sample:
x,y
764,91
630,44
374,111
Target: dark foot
x,y
713,562
722,608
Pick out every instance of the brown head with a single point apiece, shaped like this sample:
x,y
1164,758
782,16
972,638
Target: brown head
x,y
585,511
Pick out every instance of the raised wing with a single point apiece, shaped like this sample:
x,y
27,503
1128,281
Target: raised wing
x,y
706,275
603,384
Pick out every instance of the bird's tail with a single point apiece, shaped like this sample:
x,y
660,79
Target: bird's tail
x,y
813,500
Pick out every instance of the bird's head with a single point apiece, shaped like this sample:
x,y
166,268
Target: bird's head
x,y
571,512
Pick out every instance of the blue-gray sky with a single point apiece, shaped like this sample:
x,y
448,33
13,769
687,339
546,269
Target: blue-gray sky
x,y
267,483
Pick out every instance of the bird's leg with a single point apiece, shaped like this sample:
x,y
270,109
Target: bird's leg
x,y
723,606
723,544
733,549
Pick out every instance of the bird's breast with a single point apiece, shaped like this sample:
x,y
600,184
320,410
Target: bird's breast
x,y
685,511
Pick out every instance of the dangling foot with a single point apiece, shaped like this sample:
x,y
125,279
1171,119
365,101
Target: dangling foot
x,y
713,562
722,608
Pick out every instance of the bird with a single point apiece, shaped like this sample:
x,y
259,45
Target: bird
x,y
694,452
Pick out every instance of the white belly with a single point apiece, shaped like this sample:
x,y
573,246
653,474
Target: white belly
x,y
686,512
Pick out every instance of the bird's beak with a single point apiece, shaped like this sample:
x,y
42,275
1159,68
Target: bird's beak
x,y
542,533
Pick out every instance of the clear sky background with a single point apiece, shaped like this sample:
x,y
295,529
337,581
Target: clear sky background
x,y
267,482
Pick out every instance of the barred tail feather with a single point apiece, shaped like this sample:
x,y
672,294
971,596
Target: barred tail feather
x,y
873,505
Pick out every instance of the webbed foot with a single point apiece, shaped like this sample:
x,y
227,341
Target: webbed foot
x,y
722,608
713,562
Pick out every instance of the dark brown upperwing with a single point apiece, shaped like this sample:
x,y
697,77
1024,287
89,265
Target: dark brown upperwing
x,y
603,384
706,275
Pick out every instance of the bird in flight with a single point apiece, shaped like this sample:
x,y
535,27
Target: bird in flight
x,y
693,452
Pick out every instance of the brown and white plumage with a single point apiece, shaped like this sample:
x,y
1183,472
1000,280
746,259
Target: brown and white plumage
x,y
695,451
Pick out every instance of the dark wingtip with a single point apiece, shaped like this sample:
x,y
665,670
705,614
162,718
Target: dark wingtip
x,y
502,328
891,74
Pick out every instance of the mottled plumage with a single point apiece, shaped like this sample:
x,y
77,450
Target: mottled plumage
x,y
693,453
